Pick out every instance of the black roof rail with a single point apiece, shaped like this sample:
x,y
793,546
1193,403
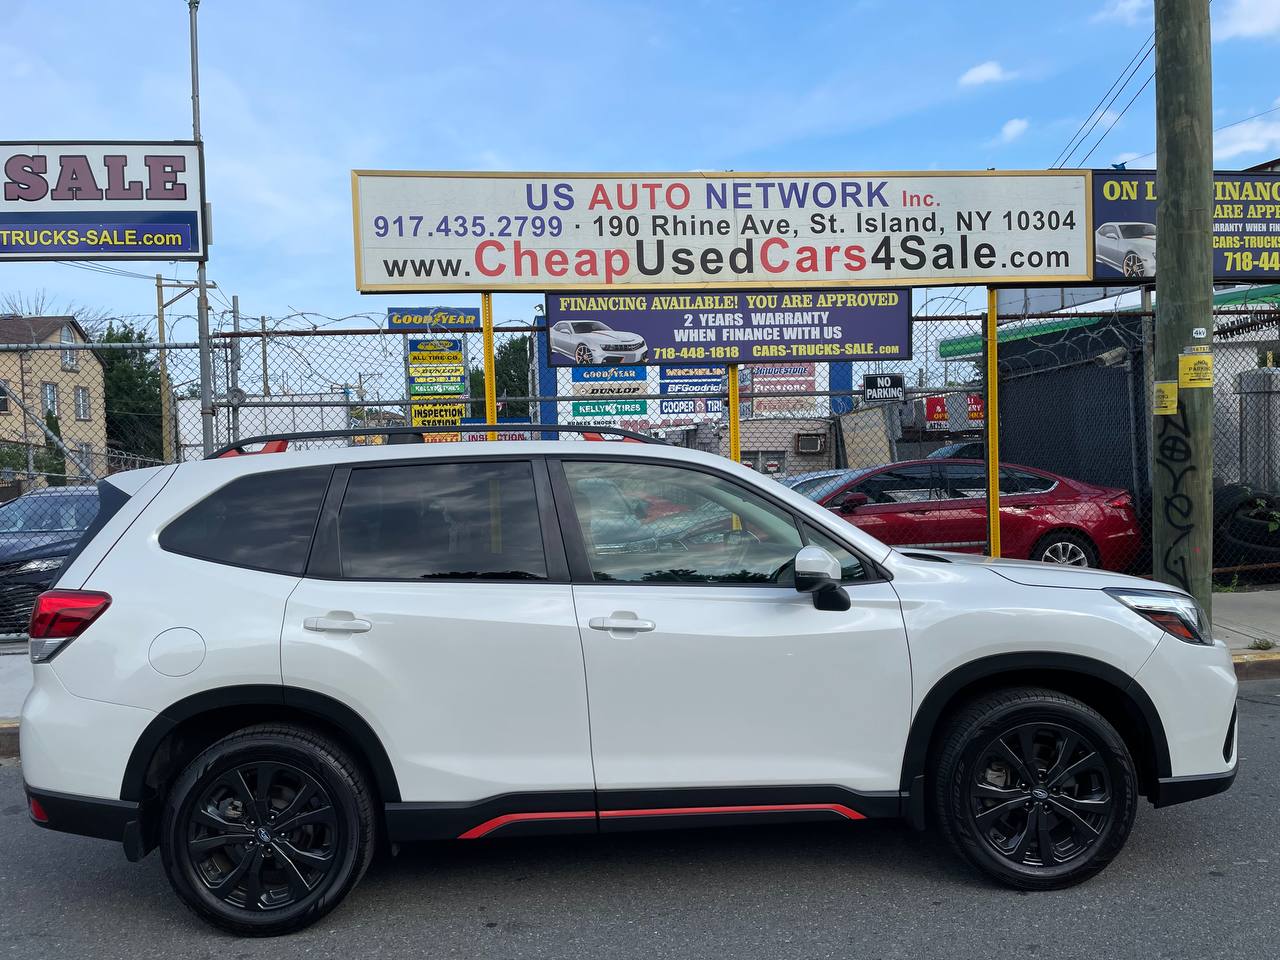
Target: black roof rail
x,y
280,441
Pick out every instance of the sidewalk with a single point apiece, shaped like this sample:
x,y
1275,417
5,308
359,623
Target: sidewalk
x,y
1241,618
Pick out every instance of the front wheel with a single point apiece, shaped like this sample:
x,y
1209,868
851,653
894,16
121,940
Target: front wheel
x,y
267,830
1034,788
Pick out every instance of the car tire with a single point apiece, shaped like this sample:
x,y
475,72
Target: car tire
x,y
1133,265
583,354
1079,784
265,879
1065,547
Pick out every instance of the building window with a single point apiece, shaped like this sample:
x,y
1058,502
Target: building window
x,y
85,452
82,403
4,396
49,399
70,358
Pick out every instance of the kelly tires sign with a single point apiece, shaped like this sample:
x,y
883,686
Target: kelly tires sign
x,y
728,326
453,232
124,200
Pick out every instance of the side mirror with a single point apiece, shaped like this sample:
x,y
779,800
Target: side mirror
x,y
852,502
818,573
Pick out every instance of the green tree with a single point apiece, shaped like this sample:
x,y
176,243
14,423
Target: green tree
x,y
132,384
511,369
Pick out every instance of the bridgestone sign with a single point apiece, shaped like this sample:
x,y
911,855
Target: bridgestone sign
x,y
451,232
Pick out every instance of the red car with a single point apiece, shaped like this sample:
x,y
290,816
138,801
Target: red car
x,y
941,505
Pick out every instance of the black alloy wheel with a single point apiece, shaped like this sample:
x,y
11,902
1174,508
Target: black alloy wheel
x,y
1040,794
1034,787
262,835
267,830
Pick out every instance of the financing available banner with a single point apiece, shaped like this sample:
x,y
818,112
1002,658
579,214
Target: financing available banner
x,y
1246,226
451,232
728,326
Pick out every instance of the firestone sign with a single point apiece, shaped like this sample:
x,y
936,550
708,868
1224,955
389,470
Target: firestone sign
x,y
126,200
453,232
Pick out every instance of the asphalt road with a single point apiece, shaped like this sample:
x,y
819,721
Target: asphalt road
x,y
1195,881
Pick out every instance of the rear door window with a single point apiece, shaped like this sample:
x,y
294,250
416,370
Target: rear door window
x,y
441,521
264,521
915,484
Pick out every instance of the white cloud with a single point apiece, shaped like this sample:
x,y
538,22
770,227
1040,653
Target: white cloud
x,y
1252,136
988,72
1012,130
1248,18
1128,12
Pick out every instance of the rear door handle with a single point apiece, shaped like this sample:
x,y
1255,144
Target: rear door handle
x,y
622,623
337,623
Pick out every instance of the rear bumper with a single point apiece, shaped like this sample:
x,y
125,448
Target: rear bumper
x,y
118,820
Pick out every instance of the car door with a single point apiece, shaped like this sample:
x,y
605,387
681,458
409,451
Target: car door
x,y
899,504
959,518
711,680
1108,241
437,605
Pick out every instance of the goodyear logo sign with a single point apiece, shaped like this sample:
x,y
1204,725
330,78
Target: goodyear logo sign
x,y
437,319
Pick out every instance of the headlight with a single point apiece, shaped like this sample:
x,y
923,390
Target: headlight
x,y
1175,613
40,566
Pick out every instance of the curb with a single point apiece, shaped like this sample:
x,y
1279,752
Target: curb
x,y
8,738
1257,665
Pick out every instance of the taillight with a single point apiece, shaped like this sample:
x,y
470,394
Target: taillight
x,y
37,811
1121,500
59,616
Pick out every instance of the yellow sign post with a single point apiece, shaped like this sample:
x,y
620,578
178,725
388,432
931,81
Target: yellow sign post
x,y
993,427
490,374
735,443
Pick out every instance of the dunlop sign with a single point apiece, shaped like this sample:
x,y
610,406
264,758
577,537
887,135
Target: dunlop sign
x,y
451,232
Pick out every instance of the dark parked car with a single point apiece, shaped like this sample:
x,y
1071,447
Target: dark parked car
x,y
37,532
941,505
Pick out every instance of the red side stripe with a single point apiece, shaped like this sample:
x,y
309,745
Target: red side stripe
x,y
847,812
498,823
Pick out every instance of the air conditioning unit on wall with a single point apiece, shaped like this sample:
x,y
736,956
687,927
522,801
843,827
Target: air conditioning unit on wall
x,y
811,444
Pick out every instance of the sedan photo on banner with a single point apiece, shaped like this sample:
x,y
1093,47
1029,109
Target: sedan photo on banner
x,y
728,326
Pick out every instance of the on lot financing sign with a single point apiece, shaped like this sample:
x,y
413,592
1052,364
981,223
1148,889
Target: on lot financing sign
x,y
125,200
452,232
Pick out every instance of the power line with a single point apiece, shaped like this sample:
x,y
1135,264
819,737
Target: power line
x,y
1125,75
1117,119
1225,126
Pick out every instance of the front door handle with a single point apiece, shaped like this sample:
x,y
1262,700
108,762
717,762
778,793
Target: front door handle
x,y
339,621
621,622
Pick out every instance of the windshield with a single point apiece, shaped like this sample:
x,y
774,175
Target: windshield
x,y
1138,231
588,326
45,513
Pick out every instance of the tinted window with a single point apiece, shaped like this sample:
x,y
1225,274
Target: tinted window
x,y
646,523
1020,481
1136,231
441,521
966,481
48,512
264,521
901,485
851,568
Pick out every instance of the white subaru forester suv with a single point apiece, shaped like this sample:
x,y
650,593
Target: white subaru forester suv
x,y
267,665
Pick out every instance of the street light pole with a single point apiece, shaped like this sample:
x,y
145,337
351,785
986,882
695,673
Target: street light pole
x,y
202,301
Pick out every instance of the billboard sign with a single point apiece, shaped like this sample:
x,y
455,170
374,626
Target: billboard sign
x,y
609,408
432,319
691,380
452,232
1246,226
691,406
935,413
728,326
102,200
608,381
435,368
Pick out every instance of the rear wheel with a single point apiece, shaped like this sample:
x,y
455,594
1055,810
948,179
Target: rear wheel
x,y
267,830
1035,788
1065,547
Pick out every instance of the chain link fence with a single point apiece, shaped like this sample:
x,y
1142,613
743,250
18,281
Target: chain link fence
x,y
909,466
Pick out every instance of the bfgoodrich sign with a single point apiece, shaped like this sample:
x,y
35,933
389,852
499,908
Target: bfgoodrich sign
x,y
124,200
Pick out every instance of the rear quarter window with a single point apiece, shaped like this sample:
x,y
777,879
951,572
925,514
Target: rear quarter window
x,y
263,521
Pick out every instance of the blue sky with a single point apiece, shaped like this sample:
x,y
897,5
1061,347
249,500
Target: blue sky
x,y
295,94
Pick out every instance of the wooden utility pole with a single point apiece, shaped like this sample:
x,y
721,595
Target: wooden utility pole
x,y
1182,508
